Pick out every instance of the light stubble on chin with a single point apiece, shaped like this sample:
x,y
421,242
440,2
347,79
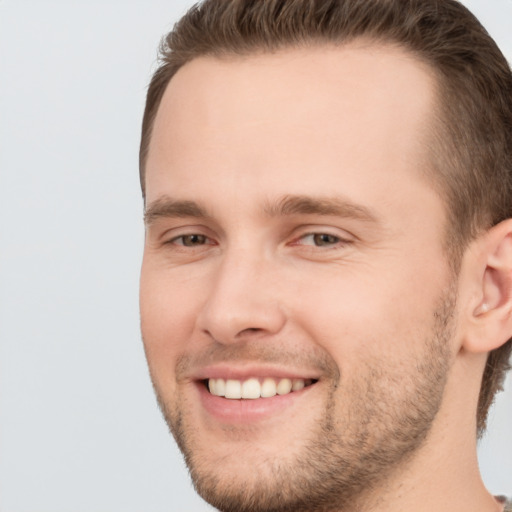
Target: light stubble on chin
x,y
342,461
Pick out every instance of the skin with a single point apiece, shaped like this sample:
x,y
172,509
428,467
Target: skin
x,y
233,284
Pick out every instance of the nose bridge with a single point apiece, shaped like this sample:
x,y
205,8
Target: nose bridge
x,y
242,298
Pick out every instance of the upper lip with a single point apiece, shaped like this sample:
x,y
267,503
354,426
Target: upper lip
x,y
242,372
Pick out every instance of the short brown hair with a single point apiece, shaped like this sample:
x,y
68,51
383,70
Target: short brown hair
x,y
472,152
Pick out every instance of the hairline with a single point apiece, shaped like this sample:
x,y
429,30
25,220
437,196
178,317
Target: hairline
x,y
362,41
434,135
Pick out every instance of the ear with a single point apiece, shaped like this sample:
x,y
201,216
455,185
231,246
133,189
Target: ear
x,y
490,306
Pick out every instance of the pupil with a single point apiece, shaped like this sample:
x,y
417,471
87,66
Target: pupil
x,y
324,239
193,240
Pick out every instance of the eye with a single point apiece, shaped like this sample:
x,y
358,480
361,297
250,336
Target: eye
x,y
320,240
192,240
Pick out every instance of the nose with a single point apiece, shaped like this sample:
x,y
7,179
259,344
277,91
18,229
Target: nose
x,y
242,301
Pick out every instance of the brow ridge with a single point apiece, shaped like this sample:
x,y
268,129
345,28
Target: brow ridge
x,y
167,207
288,205
311,205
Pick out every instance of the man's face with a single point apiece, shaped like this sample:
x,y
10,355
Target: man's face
x,y
293,241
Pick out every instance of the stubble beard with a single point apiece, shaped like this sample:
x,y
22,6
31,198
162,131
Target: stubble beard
x,y
342,463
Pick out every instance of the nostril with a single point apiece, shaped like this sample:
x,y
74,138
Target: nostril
x,y
250,331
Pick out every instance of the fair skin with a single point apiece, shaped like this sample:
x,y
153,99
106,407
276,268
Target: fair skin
x,y
292,234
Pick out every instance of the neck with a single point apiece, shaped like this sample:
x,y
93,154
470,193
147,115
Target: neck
x,y
444,481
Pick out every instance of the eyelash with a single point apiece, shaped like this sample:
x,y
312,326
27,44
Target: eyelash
x,y
332,240
175,240
319,239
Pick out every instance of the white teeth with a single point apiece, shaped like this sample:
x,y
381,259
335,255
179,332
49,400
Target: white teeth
x,y
233,389
268,388
252,388
217,387
298,384
284,387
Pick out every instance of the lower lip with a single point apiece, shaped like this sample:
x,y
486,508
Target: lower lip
x,y
245,411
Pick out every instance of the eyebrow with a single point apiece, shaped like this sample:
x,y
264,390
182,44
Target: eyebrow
x,y
166,207
311,205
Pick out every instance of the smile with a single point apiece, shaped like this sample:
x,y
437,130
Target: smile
x,y
254,388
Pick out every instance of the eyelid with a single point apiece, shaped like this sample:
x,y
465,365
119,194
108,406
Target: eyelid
x,y
168,236
208,240
336,239
342,235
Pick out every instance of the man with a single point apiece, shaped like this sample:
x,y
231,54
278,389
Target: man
x,y
326,291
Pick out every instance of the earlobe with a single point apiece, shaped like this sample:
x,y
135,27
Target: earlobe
x,y
490,324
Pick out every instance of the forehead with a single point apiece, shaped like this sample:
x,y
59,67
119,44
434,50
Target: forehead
x,y
294,111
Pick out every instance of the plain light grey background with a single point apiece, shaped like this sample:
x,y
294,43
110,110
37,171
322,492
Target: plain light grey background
x,y
79,427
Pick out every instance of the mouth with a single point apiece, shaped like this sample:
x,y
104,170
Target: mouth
x,y
243,396
254,388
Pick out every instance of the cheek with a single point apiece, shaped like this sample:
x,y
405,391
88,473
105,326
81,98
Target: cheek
x,y
368,316
168,312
